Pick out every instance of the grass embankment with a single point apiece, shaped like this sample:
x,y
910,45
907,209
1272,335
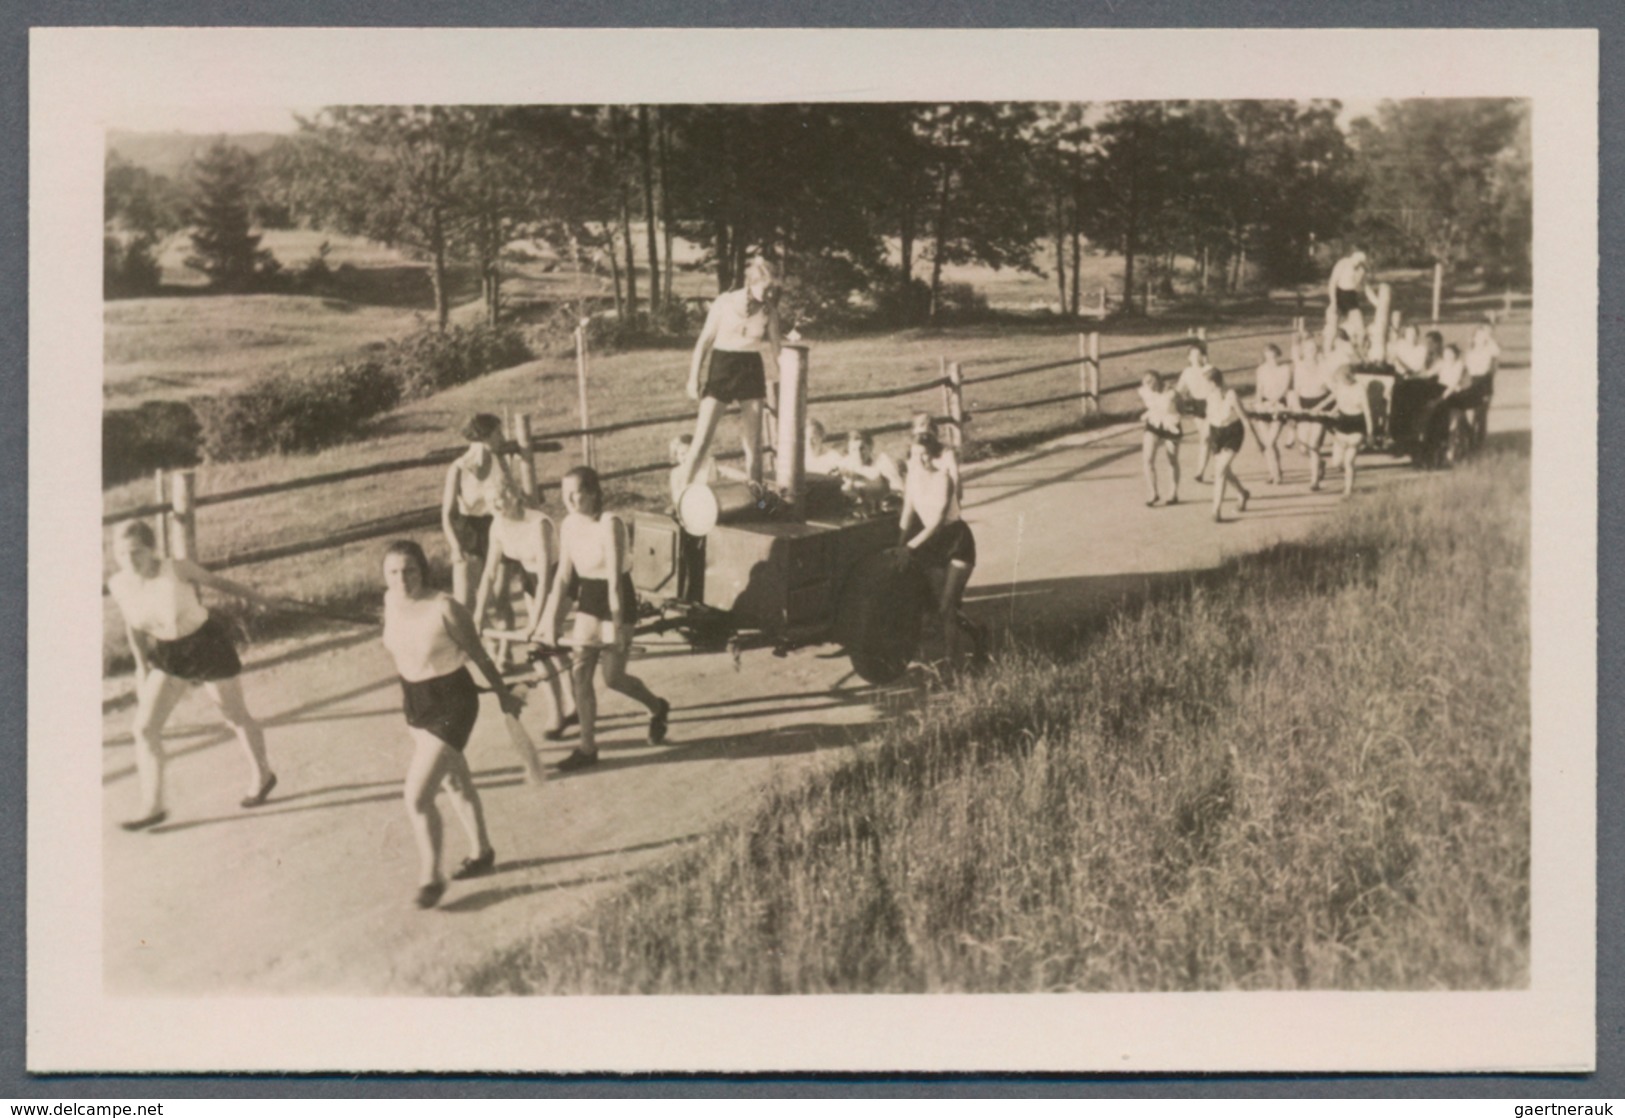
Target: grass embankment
x,y
1307,770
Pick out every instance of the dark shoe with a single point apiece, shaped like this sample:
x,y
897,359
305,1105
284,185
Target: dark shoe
x,y
577,760
564,726
429,895
258,798
144,822
475,867
657,723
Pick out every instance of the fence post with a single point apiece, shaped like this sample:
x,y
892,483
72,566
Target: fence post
x,y
1438,288
581,392
1102,300
1201,334
1506,302
183,532
1084,397
163,517
1094,372
527,457
947,387
956,406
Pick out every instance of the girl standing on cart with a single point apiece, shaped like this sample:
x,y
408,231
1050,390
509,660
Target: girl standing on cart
x,y
738,346
177,642
595,564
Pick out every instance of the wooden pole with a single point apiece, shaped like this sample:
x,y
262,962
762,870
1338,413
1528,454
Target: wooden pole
x,y
790,461
1201,334
1103,301
947,387
956,406
183,543
163,517
1438,288
1094,372
1506,302
527,457
1085,398
581,392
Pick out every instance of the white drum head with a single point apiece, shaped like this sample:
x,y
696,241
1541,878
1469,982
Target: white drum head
x,y
697,509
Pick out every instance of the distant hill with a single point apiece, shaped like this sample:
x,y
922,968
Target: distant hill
x,y
168,153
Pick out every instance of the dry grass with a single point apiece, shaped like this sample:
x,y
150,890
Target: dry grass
x,y
1309,770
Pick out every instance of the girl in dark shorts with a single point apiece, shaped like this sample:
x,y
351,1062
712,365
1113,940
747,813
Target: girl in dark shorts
x,y
931,528
1161,436
176,642
1227,430
432,638
741,340
1351,423
595,564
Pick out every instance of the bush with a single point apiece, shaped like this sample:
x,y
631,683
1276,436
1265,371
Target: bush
x,y
818,295
960,302
158,435
675,322
897,305
428,361
286,412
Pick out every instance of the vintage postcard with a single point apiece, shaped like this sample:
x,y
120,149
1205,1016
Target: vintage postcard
x,y
776,551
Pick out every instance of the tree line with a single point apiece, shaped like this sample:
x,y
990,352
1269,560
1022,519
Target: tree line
x,y
866,199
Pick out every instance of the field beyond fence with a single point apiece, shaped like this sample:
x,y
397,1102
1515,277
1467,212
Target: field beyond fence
x,y
1308,769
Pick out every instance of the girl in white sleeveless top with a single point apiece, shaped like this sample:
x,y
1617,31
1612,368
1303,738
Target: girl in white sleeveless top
x,y
1273,382
432,639
177,642
595,564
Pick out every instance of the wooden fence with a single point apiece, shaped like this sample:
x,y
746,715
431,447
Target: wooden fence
x,y
176,500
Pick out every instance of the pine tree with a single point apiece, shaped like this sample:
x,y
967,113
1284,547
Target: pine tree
x,y
225,247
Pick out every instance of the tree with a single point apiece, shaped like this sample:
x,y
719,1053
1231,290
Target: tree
x,y
395,174
225,247
140,209
1131,175
1442,179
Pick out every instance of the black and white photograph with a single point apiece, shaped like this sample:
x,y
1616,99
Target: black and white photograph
x,y
743,551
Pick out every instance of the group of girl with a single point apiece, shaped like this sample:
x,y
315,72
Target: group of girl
x,y
493,535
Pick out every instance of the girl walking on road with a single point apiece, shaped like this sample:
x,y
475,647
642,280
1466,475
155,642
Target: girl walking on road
x,y
1311,388
1273,381
1192,390
523,545
432,638
595,564
1161,436
1227,427
1351,422
177,642
467,503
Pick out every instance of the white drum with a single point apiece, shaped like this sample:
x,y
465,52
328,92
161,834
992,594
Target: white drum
x,y
702,507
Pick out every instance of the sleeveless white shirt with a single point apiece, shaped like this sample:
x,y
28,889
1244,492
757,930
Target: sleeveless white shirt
x,y
165,606
415,634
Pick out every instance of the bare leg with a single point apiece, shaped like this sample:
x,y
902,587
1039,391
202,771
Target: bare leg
x,y
465,578
1272,452
617,679
705,429
1203,451
1221,481
155,700
465,801
1317,467
1148,459
1172,450
228,696
431,758
750,436
582,666
1350,451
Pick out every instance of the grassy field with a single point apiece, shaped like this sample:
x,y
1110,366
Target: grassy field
x,y
1306,770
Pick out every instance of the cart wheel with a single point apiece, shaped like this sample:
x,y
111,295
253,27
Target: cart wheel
x,y
878,615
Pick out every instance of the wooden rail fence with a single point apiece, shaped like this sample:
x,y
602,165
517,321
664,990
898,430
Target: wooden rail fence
x,y
177,502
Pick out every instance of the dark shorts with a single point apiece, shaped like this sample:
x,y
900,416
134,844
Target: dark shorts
x,y
1347,301
1348,424
592,597
1163,433
953,543
202,656
736,375
1228,437
528,579
473,534
446,706
1310,403
1191,405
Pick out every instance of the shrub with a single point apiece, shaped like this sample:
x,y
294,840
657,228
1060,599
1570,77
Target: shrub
x,y
675,322
160,434
428,361
960,302
818,294
285,412
129,268
897,304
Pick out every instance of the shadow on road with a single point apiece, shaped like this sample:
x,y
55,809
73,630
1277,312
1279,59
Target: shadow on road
x,y
1018,490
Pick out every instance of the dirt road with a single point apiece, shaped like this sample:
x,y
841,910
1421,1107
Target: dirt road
x,y
311,893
